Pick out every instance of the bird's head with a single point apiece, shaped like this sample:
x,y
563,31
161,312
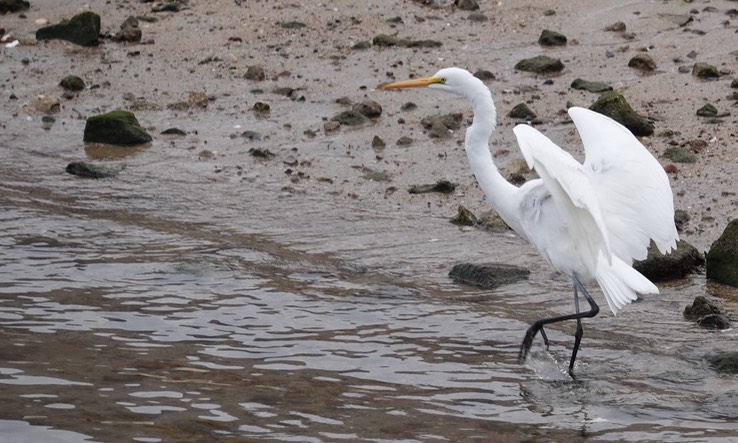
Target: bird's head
x,y
455,80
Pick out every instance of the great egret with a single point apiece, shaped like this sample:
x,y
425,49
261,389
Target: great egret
x,y
589,221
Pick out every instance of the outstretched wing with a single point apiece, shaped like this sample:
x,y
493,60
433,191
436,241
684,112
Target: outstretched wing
x,y
573,195
632,187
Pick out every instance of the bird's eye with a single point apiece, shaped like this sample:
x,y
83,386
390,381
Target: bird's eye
x,y
443,80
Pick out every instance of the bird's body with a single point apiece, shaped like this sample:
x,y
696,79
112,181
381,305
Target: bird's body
x,y
589,221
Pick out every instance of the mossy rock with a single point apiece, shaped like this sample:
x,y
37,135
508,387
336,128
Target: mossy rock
x,y
72,83
87,170
82,29
488,275
451,121
351,118
491,221
679,154
676,264
726,362
464,217
615,106
708,110
722,258
117,127
701,307
521,111
586,85
541,64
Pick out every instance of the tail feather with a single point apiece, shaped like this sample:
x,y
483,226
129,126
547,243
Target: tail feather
x,y
621,283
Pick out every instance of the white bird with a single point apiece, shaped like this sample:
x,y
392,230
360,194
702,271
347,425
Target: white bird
x,y
589,221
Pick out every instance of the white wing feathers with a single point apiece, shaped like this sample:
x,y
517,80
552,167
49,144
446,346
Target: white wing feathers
x,y
569,185
634,188
612,205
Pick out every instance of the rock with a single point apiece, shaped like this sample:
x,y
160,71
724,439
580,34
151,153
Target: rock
x,y
87,170
255,73
117,127
404,141
173,131
368,108
586,85
614,105
82,29
72,83
704,70
384,40
521,111
171,6
13,6
451,121
261,108
378,143
439,130
714,321
488,275
642,62
616,27
734,83
541,64
350,118
678,263
363,44
491,221
442,186
722,258
331,126
129,31
679,154
464,217
466,5
484,75
551,38
477,17
261,153
724,361
378,176
292,25
707,110
409,106
701,306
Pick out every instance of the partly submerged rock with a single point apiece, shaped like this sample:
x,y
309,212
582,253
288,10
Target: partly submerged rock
x,y
701,307
614,105
724,361
541,64
117,127
678,263
82,29
722,258
488,275
88,170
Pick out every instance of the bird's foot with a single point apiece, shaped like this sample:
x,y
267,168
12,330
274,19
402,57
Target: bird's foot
x,y
530,334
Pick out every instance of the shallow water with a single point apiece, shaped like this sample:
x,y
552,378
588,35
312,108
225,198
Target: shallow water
x,y
154,308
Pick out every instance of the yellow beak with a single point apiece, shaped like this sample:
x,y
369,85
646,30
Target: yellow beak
x,y
414,83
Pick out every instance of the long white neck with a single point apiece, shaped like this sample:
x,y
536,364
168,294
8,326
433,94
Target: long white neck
x,y
503,195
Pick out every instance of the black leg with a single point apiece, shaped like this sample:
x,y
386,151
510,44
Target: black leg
x,y
538,325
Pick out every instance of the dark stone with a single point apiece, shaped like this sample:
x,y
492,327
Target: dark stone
x,y
368,108
255,73
404,141
616,27
421,43
451,121
586,85
173,131
13,6
466,5
722,258
726,362
541,64
82,29
464,217
707,110
704,70
129,31
87,170
350,118
551,38
521,111
484,75
385,40
409,106
642,62
261,108
439,130
261,153
364,44
678,263
442,186
72,83
488,275
378,143
115,128
614,105
293,25
172,6
714,321
251,135
679,154
702,307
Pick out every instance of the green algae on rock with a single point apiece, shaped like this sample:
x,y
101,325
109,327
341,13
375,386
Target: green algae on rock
x,y
117,127
614,105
